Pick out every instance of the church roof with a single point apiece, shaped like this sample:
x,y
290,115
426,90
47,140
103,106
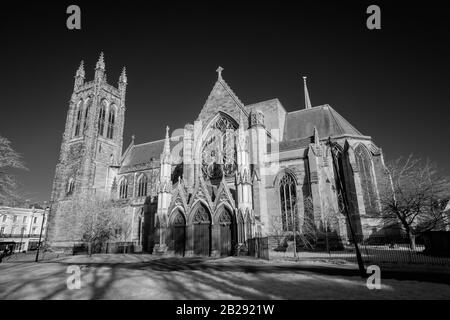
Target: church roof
x,y
300,124
140,154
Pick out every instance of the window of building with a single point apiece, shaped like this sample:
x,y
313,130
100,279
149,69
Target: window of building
x,y
15,219
142,186
86,114
4,218
367,181
24,220
123,189
101,118
288,202
34,230
35,220
70,187
111,120
78,119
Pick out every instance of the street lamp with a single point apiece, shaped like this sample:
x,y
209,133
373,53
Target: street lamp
x,y
40,234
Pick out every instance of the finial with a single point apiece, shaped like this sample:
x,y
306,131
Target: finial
x,y
167,132
80,71
307,100
101,62
132,138
219,72
123,76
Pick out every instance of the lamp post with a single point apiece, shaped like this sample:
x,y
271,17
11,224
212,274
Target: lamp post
x,y
40,234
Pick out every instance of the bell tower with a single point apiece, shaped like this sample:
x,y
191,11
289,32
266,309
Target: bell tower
x,y
91,144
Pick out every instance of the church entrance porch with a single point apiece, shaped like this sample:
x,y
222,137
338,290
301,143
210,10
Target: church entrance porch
x,y
226,233
179,234
202,232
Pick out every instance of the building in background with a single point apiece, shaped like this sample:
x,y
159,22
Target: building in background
x,y
21,227
237,172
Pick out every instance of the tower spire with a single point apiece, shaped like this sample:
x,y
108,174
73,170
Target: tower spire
x,y
307,100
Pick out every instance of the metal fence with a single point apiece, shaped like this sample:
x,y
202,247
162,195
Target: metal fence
x,y
104,247
374,250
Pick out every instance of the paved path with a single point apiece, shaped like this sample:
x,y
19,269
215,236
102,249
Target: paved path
x,y
149,277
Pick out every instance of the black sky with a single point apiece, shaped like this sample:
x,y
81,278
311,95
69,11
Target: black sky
x,y
391,84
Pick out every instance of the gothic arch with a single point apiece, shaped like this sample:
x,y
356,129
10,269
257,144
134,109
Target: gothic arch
x,y
364,163
194,208
286,187
123,188
78,118
111,120
142,185
219,209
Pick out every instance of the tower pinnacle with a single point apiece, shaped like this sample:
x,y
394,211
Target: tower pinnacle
x,y
101,62
80,71
307,100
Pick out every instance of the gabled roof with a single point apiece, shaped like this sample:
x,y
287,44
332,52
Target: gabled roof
x,y
144,153
300,124
221,98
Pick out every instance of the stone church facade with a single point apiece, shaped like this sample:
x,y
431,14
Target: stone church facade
x,y
235,173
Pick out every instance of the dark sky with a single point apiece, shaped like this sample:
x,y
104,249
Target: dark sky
x,y
391,84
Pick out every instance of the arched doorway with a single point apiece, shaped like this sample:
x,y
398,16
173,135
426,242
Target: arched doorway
x,y
226,232
202,231
179,233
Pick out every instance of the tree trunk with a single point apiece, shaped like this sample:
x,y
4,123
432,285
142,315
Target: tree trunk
x,y
412,241
90,248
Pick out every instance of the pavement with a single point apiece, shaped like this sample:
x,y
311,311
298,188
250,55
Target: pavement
x,y
144,276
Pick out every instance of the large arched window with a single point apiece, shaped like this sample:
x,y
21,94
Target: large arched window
x,y
142,186
86,113
78,119
70,186
101,118
219,149
288,197
123,189
364,162
111,120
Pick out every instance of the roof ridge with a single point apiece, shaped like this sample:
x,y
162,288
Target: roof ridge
x,y
154,141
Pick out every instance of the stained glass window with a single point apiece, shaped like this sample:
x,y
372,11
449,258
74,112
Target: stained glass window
x,y
288,202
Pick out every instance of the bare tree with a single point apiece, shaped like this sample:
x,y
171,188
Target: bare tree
x,y
416,198
99,220
9,159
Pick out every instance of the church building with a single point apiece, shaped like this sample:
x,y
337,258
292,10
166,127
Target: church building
x,y
236,172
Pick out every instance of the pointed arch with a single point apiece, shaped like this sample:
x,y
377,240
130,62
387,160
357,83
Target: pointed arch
x,y
286,184
111,121
216,150
70,186
102,116
78,117
123,188
142,185
367,178
87,108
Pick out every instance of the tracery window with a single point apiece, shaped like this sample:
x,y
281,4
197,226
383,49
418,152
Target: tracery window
x,y
78,119
101,118
288,197
142,186
86,113
123,189
367,181
111,120
219,150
